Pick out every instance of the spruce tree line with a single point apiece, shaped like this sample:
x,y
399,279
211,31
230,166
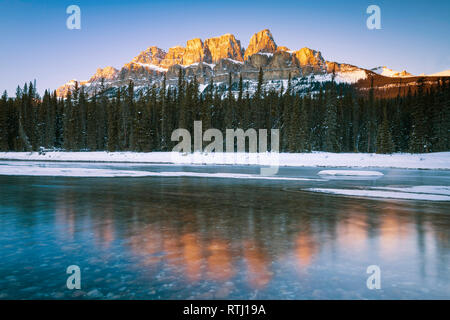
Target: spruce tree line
x,y
334,118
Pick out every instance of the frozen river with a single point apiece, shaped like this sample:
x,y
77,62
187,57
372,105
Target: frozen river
x,y
221,232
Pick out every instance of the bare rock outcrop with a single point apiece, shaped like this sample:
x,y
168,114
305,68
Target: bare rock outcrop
x,y
225,46
261,41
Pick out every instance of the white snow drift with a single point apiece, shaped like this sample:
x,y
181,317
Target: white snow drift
x,y
439,160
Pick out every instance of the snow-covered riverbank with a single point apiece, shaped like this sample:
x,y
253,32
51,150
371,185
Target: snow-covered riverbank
x,y
440,160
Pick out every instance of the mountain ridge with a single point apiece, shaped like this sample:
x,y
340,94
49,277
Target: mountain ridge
x,y
215,58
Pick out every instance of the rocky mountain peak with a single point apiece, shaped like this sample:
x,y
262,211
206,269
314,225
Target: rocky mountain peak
x,y
173,56
307,56
283,48
261,41
106,73
225,46
151,55
214,59
195,52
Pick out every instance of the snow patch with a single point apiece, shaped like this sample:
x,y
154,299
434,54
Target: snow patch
x,y
437,160
350,173
67,172
443,190
234,61
37,170
384,71
382,194
268,54
152,67
350,76
445,73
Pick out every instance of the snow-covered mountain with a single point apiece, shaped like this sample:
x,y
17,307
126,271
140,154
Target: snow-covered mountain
x,y
215,58
445,73
385,71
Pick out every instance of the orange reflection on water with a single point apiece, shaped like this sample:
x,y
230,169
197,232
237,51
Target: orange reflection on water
x,y
220,266
65,216
146,242
259,274
392,232
173,249
192,253
305,250
106,233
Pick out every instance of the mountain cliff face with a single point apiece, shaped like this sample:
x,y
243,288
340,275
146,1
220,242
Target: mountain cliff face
x,y
224,47
261,42
215,58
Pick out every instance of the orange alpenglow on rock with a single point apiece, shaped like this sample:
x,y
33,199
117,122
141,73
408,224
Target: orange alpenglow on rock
x,y
283,48
261,42
152,55
306,56
106,73
174,56
195,52
213,59
225,46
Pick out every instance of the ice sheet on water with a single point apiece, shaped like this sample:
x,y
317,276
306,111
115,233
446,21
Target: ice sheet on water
x,y
36,170
444,190
350,173
383,194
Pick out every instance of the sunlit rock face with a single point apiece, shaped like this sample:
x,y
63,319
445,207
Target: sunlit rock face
x,y
214,59
173,56
283,48
309,58
152,55
261,42
225,46
107,73
195,52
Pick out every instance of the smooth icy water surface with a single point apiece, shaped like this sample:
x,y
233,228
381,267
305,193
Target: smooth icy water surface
x,y
218,238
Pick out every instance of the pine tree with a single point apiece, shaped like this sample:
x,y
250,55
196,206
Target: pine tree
x,y
141,130
331,141
356,119
91,124
371,121
229,106
207,106
439,116
68,123
163,116
181,100
419,143
113,124
82,119
4,122
257,101
101,118
239,108
42,120
384,140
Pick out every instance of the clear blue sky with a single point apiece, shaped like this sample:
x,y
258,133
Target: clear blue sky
x,y
35,43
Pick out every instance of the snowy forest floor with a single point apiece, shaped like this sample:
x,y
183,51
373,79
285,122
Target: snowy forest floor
x,y
438,160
